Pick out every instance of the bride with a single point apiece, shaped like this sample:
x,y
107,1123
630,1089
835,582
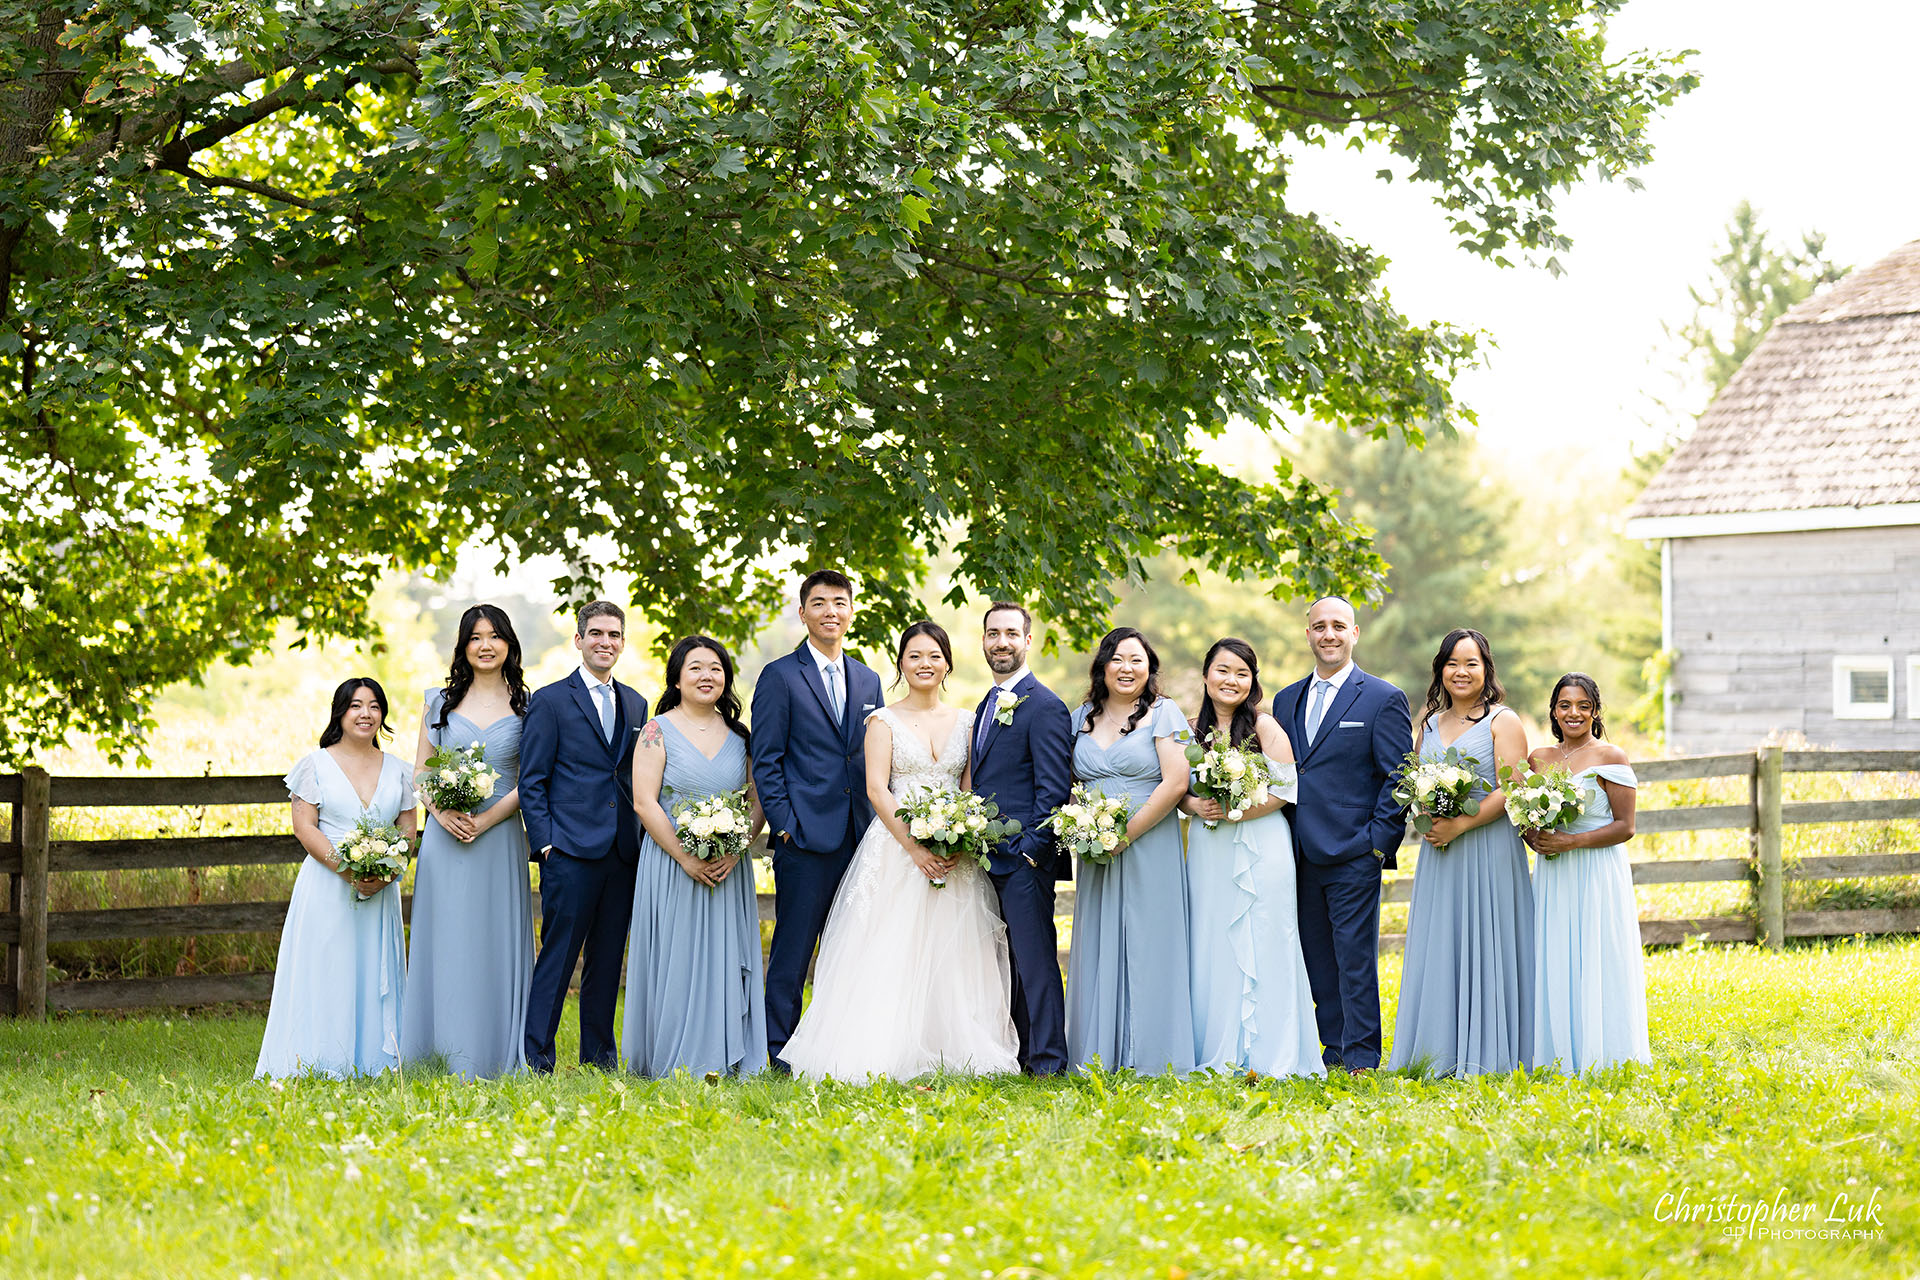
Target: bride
x,y
912,977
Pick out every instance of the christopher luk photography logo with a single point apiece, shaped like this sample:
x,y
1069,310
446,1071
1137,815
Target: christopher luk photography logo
x,y
1851,1212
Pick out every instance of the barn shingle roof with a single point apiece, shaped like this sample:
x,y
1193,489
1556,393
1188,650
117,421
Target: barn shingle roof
x,y
1824,413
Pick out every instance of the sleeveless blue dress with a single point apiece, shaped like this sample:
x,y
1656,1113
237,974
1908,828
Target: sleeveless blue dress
x,y
337,985
1466,985
695,995
471,958
1129,996
1590,991
1252,1004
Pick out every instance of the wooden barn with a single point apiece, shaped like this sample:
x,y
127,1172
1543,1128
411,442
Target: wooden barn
x,y
1789,526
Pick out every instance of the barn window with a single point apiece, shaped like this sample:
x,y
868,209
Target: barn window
x,y
1863,688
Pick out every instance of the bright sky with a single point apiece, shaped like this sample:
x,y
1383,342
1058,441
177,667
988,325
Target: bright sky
x,y
1807,110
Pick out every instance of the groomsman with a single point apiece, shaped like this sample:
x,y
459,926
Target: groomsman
x,y
576,794
1023,761
1350,732
810,709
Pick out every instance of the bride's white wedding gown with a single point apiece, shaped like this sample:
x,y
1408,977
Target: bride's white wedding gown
x,y
911,978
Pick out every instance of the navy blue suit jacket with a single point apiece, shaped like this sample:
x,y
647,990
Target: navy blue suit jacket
x,y
810,773
1026,768
1346,808
576,790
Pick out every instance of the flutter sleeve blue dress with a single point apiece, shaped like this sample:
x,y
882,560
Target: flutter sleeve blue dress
x,y
1590,991
337,986
471,957
1129,998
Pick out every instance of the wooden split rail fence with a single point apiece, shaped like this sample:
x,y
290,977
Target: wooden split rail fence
x,y
29,857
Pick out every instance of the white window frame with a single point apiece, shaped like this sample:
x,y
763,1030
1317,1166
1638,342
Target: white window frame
x,y
1844,708
1913,686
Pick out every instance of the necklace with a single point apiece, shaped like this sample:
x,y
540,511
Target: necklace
x,y
1568,753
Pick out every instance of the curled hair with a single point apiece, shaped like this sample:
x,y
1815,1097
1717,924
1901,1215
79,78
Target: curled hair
x,y
1491,694
343,702
729,704
1097,679
1585,683
1246,716
924,627
460,675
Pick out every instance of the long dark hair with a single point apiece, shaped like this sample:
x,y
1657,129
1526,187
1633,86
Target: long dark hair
x,y
460,675
924,627
1246,716
729,704
1097,679
343,699
1583,682
1490,693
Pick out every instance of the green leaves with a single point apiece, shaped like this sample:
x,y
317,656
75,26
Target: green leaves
x,y
694,290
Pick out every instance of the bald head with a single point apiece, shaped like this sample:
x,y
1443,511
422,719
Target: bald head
x,y
1332,633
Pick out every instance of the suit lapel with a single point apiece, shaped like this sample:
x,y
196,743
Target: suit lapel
x,y
810,676
993,730
1337,705
585,702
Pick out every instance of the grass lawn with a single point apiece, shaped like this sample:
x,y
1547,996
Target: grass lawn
x,y
140,1147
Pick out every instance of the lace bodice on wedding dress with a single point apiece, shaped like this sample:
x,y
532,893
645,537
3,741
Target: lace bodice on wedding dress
x,y
914,770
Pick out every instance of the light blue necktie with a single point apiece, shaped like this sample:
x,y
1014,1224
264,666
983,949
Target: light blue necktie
x,y
606,710
1321,691
833,693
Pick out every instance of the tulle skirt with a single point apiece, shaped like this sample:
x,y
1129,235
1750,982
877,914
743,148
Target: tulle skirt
x,y
911,978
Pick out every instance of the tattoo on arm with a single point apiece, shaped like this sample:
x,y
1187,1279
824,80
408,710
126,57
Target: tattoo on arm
x,y
651,735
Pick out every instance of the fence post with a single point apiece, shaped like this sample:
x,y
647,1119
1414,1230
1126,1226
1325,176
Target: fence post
x,y
30,991
1767,842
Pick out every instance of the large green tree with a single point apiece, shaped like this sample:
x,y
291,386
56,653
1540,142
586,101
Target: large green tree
x,y
296,292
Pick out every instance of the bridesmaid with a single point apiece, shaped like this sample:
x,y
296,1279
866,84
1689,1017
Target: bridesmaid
x,y
1129,1003
472,951
1590,994
1252,1005
1466,987
695,999
336,988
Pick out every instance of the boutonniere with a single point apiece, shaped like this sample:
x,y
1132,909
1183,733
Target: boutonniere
x,y
1003,714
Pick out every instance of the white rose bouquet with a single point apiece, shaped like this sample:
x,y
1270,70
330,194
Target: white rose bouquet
x,y
1550,801
1091,825
1441,787
713,826
956,824
373,850
1234,777
457,779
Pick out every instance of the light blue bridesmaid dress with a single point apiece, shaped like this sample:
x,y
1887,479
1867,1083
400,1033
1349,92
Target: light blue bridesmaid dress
x,y
471,955
1129,999
1252,1005
1590,992
337,986
695,994
1466,985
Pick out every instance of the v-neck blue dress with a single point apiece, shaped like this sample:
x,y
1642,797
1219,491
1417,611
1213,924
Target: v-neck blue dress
x,y
471,957
1466,985
337,986
696,999
1129,1001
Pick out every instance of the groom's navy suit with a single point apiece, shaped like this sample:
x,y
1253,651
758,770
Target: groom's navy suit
x,y
1346,828
576,794
810,774
1026,768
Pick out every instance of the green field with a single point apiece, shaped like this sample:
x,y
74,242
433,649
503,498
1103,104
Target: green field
x,y
140,1147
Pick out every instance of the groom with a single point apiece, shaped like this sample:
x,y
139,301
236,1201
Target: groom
x,y
810,712
1350,733
1022,761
